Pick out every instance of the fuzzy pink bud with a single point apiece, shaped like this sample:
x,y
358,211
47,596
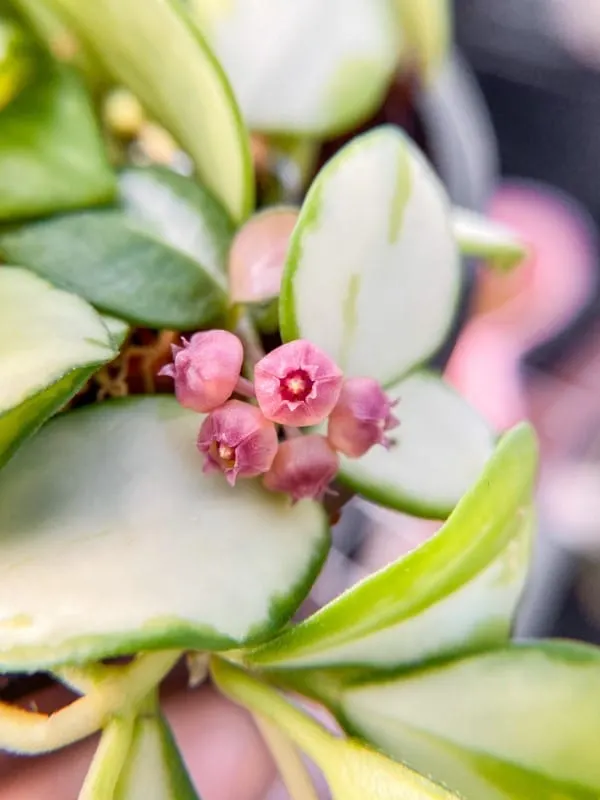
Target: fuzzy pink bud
x,y
206,369
303,467
238,441
361,418
297,384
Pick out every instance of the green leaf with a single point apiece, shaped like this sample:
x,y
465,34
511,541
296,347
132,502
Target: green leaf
x,y
51,153
111,502
510,724
440,449
486,239
154,768
184,88
457,591
262,47
138,758
373,273
353,772
116,263
50,28
180,212
50,344
117,328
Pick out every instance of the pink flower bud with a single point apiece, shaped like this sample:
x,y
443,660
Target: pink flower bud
x,y
238,441
206,369
303,467
361,417
297,384
257,255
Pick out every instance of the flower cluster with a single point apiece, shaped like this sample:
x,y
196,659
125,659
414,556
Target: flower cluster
x,y
297,386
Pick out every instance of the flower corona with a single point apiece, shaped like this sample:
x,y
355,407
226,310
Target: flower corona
x,y
297,384
237,440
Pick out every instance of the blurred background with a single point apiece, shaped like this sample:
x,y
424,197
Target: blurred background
x,y
512,126
538,65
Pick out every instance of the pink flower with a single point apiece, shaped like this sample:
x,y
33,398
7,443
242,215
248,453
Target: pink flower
x,y
206,369
361,418
238,441
297,384
303,467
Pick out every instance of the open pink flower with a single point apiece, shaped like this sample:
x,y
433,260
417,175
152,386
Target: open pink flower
x,y
361,418
238,441
206,369
303,467
297,384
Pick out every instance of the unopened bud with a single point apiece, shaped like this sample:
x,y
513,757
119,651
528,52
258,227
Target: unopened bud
x,y
238,441
123,113
361,418
303,467
257,255
206,369
297,384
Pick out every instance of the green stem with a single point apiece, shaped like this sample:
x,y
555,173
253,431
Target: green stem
x,y
288,760
109,759
84,680
23,731
352,770
261,699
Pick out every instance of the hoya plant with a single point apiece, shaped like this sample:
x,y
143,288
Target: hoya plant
x,y
193,381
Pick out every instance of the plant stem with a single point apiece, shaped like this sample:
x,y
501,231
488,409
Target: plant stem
x,y
84,680
249,691
288,760
109,759
28,732
253,348
244,388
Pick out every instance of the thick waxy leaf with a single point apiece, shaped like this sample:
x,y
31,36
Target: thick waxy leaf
x,y
353,772
457,591
427,29
440,448
138,759
50,344
50,28
155,770
117,328
184,88
263,46
111,502
511,724
119,264
372,274
51,153
483,238
182,213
